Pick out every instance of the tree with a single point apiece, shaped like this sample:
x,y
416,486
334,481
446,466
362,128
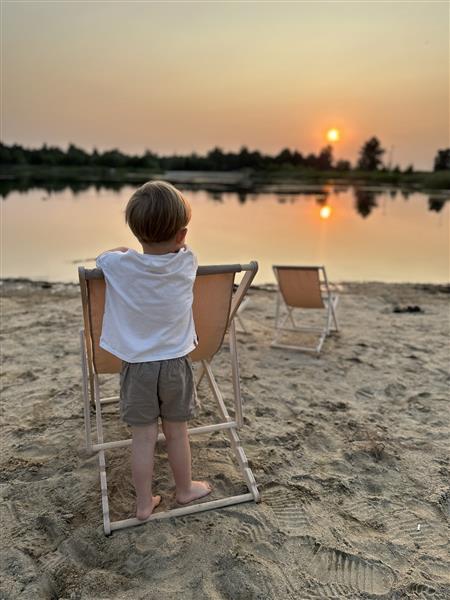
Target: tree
x,y
311,161
285,157
370,155
216,159
18,154
297,159
76,156
442,160
325,159
5,154
111,158
343,165
247,159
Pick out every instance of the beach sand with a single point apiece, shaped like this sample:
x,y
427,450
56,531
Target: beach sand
x,y
350,452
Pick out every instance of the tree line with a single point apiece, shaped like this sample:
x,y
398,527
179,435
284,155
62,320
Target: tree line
x,y
370,159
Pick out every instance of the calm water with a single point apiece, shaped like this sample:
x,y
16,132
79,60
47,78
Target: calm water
x,y
369,234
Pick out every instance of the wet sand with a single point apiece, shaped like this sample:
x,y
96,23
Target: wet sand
x,y
350,452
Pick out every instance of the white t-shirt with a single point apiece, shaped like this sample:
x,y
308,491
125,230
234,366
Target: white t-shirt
x,y
148,307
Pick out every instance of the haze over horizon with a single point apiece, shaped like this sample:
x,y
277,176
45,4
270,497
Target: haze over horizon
x,y
184,77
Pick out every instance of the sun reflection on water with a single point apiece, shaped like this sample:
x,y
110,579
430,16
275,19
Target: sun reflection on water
x,y
325,212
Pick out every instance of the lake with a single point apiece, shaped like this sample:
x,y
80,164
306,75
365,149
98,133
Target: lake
x,y
358,233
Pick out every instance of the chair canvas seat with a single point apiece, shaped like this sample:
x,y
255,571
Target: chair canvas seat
x,y
215,308
303,288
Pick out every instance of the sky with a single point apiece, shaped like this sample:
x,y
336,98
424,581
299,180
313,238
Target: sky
x,y
188,76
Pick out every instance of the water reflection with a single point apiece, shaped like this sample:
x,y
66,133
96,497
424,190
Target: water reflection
x,y
322,200
366,199
55,185
436,203
360,234
325,212
242,196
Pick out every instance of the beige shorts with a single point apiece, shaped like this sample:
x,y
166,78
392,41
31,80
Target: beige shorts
x,y
155,389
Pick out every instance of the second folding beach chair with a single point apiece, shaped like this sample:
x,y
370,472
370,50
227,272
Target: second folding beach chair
x,y
215,308
303,288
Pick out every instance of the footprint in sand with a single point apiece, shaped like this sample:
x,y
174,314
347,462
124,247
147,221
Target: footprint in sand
x,y
405,528
401,526
53,564
252,528
288,509
313,590
245,577
333,567
365,511
420,591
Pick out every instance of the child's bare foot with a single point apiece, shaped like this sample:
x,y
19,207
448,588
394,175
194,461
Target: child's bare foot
x,y
198,490
143,512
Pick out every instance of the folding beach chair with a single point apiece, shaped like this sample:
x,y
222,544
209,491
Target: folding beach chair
x,y
214,308
303,288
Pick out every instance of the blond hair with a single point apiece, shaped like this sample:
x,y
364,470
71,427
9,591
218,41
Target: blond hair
x,y
156,212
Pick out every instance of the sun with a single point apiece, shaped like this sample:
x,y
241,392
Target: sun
x,y
333,135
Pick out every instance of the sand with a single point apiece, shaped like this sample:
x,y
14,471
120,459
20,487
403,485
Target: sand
x,y
350,452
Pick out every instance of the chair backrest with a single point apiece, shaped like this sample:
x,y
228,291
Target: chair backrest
x,y
212,309
300,286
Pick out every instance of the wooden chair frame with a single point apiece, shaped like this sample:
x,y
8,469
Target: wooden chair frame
x,y
238,316
92,398
327,301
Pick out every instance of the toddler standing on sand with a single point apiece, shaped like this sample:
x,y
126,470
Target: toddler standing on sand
x,y
148,324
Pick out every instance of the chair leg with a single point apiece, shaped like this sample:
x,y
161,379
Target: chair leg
x,y
233,436
235,375
334,304
278,327
86,396
291,317
98,411
321,341
216,391
101,458
327,328
329,317
277,311
104,492
241,458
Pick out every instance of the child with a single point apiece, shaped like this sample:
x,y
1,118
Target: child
x,y
148,324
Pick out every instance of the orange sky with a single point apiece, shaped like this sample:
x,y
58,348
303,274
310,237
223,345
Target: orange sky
x,y
189,76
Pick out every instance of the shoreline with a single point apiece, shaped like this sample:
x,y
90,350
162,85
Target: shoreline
x,y
282,180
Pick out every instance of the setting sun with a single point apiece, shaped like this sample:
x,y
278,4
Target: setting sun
x,y
333,135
